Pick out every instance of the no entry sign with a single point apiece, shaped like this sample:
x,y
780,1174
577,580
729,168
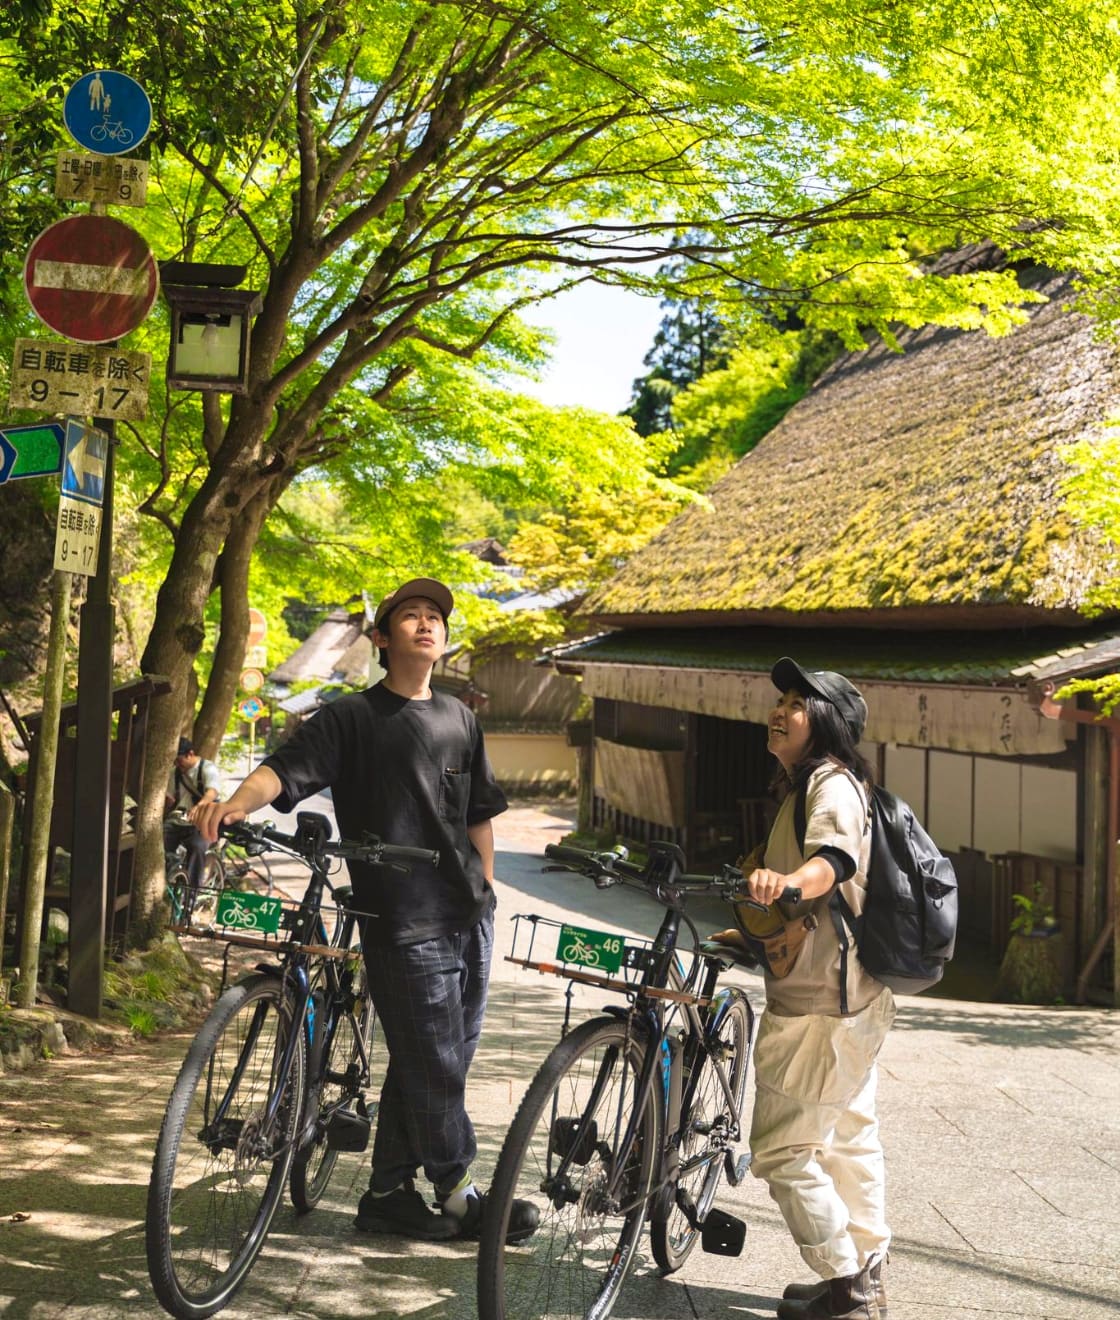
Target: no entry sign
x,y
91,278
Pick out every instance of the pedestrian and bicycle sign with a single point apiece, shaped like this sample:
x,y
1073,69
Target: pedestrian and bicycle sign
x,y
31,451
107,112
78,534
91,278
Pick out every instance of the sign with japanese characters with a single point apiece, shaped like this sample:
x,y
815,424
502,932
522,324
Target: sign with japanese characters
x,y
54,376
78,537
82,177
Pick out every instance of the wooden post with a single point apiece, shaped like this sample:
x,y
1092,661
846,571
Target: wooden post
x,y
7,816
1116,928
38,843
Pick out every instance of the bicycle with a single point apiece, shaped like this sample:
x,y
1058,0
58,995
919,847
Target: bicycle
x,y
633,1116
272,1089
187,901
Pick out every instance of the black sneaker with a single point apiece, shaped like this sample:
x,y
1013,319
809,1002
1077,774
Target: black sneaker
x,y
405,1212
523,1219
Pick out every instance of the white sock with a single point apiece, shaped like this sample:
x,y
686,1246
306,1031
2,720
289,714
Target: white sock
x,y
455,1203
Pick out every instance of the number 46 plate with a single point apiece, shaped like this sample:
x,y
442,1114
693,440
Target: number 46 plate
x,y
590,948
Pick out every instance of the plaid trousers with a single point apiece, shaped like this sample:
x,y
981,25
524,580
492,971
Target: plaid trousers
x,y
430,999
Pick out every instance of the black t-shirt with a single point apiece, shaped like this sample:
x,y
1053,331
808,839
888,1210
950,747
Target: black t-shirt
x,y
415,773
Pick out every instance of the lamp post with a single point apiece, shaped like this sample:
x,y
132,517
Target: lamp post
x,y
209,326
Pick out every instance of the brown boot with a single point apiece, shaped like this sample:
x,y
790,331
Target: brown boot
x,y
852,1298
803,1292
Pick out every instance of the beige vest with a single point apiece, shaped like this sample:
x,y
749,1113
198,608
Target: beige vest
x,y
836,815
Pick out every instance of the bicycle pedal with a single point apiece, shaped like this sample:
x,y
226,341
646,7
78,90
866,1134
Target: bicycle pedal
x,y
722,1234
348,1130
735,1169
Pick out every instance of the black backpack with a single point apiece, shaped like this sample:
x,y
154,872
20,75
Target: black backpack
x,y
908,927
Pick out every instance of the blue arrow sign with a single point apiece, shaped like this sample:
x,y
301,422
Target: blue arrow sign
x,y
30,451
83,473
107,112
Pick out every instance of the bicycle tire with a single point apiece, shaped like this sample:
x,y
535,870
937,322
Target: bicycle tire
x,y
211,1202
577,1260
314,1161
709,1126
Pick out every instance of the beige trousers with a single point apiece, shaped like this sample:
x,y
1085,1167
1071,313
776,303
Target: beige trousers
x,y
815,1133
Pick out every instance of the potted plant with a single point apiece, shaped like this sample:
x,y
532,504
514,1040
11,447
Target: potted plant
x,y
1031,971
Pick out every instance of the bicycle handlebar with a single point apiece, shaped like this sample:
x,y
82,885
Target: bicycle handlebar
x,y
311,842
612,868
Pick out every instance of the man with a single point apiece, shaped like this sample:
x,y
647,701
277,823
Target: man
x,y
409,765
192,781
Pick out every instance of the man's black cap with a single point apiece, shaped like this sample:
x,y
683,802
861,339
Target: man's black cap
x,y
185,747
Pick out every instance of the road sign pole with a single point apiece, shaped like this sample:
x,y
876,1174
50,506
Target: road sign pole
x,y
89,897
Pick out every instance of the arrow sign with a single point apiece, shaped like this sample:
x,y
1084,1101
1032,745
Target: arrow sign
x,y
91,278
30,451
83,473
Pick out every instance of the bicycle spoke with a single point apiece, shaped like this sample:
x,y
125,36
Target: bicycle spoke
x,y
562,1155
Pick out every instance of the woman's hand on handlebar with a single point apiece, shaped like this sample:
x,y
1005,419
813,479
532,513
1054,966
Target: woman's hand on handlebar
x,y
766,886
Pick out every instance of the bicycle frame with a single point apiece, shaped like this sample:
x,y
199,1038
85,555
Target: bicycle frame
x,y
652,1021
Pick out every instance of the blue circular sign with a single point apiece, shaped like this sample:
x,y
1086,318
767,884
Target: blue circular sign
x,y
107,112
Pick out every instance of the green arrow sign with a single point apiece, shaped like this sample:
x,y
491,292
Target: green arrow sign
x,y
31,451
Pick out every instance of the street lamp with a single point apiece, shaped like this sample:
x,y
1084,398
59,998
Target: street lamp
x,y
209,326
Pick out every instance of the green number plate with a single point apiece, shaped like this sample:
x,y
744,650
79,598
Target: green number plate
x,y
590,948
249,912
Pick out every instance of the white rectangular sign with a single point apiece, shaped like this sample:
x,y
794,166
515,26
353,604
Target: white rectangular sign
x,y
85,380
78,537
81,176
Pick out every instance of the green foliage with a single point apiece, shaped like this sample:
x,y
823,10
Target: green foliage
x,y
402,178
1033,916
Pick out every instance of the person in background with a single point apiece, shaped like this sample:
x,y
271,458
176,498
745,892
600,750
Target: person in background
x,y
815,1131
192,781
408,764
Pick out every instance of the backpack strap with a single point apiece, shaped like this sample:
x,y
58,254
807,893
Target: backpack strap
x,y
181,782
839,909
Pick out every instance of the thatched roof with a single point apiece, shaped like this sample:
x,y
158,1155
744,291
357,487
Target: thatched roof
x,y
923,488
338,649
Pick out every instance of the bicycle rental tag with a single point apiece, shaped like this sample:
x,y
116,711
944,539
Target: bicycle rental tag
x,y
590,948
248,911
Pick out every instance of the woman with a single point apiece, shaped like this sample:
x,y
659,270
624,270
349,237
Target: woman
x,y
815,1133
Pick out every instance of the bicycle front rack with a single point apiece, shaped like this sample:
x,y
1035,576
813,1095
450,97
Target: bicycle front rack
x,y
560,948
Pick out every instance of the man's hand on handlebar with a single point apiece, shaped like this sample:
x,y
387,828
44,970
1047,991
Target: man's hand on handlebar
x,y
209,817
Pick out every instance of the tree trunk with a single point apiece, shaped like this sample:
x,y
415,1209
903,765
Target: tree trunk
x,y
229,654
176,638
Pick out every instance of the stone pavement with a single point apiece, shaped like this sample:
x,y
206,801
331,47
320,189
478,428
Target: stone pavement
x,y
1001,1126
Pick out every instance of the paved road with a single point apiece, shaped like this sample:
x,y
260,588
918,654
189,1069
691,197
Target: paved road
x,y
1001,1124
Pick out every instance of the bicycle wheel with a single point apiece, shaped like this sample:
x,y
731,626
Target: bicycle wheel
x,y
559,1154
343,1079
221,1162
709,1127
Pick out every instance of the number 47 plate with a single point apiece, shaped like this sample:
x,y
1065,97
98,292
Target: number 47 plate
x,y
251,912
590,948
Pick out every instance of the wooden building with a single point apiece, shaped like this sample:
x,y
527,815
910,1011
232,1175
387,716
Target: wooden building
x,y
908,524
